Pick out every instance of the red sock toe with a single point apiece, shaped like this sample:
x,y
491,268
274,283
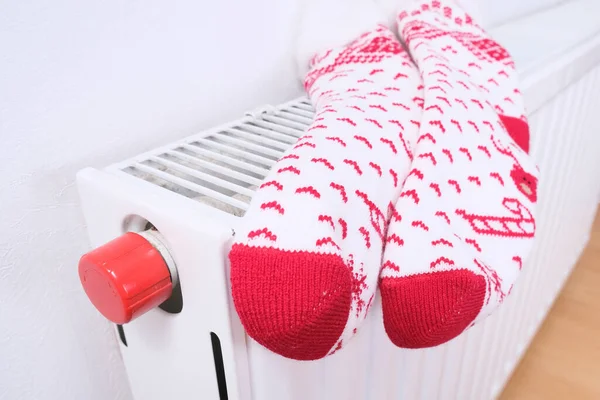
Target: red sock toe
x,y
429,309
294,303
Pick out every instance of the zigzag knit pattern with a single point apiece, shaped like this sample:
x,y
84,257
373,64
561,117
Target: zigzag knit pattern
x,y
466,212
305,263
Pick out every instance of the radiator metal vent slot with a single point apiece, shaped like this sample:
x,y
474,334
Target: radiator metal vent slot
x,y
222,168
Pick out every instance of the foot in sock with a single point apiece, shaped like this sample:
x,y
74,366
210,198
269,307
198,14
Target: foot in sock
x,y
466,210
305,263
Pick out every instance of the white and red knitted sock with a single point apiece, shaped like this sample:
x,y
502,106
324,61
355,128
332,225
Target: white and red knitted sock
x,y
465,223
305,264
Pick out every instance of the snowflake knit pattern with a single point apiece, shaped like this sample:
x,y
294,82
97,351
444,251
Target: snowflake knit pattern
x,y
466,213
306,262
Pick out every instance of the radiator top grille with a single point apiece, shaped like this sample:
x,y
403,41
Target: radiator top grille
x,y
223,167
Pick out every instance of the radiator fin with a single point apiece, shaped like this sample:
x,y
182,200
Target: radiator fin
x,y
222,168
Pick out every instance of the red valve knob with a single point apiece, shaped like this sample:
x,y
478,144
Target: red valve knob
x,y
127,276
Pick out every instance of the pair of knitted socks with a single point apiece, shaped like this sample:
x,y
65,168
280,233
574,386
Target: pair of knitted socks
x,y
414,177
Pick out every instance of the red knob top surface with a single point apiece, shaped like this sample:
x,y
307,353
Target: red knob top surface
x,y
125,277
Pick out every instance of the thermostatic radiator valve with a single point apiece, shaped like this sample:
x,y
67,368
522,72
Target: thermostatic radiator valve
x,y
129,275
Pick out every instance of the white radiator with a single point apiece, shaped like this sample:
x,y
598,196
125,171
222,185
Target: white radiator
x,y
195,190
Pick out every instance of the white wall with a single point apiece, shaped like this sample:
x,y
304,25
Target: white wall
x,y
498,12
85,84
89,83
